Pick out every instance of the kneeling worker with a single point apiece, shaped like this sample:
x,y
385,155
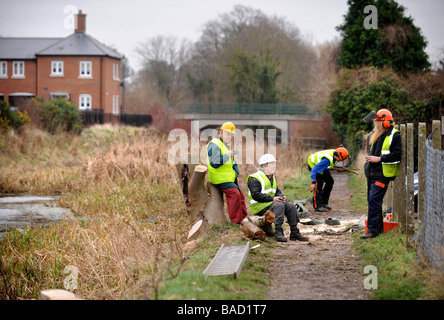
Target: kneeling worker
x,y
264,193
321,179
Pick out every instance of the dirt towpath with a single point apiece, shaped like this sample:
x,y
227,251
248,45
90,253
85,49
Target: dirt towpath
x,y
325,268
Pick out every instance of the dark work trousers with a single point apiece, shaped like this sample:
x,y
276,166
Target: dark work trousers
x,y
324,185
376,189
282,210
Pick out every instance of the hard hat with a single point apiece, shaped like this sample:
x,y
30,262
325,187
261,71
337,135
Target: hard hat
x,y
342,153
229,127
266,158
383,115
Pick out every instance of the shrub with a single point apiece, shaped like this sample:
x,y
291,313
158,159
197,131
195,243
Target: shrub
x,y
11,119
60,115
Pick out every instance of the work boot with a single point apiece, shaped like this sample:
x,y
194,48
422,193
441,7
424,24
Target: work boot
x,y
279,234
368,235
295,235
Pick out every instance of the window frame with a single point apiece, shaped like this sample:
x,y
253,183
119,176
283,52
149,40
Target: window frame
x,y
57,73
116,108
84,65
88,98
3,70
18,75
116,71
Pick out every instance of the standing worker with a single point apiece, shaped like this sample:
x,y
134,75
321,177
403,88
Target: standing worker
x,y
264,193
321,179
382,166
223,171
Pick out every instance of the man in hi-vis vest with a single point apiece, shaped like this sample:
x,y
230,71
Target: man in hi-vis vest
x,y
321,180
263,193
382,166
223,172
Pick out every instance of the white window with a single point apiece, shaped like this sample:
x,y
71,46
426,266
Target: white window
x,y
3,69
116,72
57,68
18,69
85,102
85,69
115,104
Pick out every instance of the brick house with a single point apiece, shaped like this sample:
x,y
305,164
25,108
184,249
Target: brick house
x,y
77,67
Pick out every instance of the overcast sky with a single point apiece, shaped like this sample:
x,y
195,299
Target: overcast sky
x,y
125,23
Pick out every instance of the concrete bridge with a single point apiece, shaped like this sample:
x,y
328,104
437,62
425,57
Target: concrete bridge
x,y
294,121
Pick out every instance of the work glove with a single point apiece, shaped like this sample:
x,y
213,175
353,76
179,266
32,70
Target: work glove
x,y
312,186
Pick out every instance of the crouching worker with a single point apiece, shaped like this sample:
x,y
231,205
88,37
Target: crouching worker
x,y
321,180
263,193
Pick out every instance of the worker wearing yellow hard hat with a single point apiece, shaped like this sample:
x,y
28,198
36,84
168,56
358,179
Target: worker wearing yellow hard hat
x,y
223,171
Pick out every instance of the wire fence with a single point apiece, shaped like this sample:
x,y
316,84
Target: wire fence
x,y
432,237
418,203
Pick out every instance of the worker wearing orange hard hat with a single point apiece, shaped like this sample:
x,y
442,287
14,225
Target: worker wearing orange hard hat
x,y
223,171
381,167
321,179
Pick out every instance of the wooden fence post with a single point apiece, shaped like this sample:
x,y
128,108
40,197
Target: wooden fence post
x,y
395,191
410,165
401,192
436,133
422,132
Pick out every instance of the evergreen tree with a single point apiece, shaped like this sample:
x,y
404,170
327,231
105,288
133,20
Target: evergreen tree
x,y
395,41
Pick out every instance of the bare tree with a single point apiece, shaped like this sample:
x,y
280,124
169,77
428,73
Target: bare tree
x,y
163,60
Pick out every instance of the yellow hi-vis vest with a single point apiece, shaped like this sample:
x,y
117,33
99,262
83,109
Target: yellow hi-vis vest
x,y
389,169
267,188
316,157
225,173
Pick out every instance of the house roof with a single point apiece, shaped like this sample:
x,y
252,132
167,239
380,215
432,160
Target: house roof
x,y
77,44
23,48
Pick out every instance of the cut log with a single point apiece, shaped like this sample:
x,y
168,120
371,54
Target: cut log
x,y
196,230
252,230
257,227
58,294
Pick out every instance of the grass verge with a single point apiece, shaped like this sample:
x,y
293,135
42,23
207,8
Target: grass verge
x,y
401,273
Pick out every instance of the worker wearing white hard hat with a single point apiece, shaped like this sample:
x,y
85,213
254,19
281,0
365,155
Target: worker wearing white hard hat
x,y
264,194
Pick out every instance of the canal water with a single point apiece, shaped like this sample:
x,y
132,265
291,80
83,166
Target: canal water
x,y
24,211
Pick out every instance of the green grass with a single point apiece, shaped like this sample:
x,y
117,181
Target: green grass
x,y
358,201
191,283
401,274
297,188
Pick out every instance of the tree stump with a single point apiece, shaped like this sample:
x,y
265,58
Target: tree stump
x,y
204,201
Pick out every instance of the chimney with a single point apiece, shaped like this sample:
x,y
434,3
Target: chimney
x,y
80,22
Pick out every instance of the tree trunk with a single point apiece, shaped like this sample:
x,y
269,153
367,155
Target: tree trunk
x,y
204,201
